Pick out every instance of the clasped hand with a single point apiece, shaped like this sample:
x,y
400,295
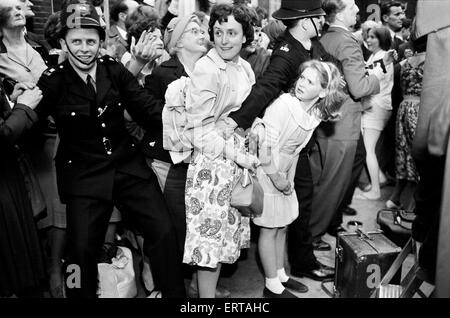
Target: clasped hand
x,y
27,94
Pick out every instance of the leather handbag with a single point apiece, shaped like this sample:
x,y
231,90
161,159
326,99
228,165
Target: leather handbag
x,y
396,224
248,195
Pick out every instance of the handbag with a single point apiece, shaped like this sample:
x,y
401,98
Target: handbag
x,y
248,195
32,186
396,224
116,279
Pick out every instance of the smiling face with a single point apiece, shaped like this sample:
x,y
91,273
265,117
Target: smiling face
x,y
84,44
373,44
228,38
193,39
308,87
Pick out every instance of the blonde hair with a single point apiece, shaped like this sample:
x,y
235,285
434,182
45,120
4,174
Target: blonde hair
x,y
330,80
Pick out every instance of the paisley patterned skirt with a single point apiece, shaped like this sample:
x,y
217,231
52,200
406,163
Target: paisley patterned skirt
x,y
215,232
405,167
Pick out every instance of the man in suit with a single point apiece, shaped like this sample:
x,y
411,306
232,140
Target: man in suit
x,y
392,16
332,161
117,36
97,164
298,44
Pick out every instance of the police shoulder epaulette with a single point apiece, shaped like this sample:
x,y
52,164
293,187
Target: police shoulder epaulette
x,y
49,72
106,59
285,48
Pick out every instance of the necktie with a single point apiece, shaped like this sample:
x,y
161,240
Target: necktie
x,y
90,85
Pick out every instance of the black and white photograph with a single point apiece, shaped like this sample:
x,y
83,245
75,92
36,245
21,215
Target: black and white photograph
x,y
220,155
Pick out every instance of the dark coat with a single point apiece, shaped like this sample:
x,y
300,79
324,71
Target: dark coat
x,y
156,84
94,141
280,75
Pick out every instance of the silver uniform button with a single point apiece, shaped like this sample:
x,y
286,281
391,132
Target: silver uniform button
x,y
100,109
120,104
72,114
103,125
69,162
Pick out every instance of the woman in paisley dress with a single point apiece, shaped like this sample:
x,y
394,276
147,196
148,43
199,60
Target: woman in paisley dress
x,y
215,231
411,81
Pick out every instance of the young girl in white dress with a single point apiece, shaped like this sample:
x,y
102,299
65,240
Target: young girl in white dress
x,y
285,129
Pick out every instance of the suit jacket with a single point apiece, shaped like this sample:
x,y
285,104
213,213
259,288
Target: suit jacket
x,y
94,141
397,95
280,75
344,46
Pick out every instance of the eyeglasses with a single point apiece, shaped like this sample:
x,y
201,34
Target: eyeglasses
x,y
195,31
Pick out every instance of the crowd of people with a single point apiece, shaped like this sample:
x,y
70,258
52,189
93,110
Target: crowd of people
x,y
147,129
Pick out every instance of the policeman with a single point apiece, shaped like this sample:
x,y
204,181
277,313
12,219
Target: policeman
x,y
97,164
298,44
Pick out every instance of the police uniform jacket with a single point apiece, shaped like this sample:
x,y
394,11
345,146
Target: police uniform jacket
x,y
280,75
94,141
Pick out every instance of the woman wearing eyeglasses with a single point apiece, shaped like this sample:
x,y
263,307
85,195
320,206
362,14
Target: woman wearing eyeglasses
x,y
185,40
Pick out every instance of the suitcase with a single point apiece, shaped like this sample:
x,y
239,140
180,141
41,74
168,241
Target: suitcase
x,y
362,259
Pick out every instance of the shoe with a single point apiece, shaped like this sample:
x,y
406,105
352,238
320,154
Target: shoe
x,y
390,204
319,273
349,211
295,286
321,246
285,294
220,292
336,230
364,196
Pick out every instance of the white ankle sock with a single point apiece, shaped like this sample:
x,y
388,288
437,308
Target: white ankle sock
x,y
274,285
282,275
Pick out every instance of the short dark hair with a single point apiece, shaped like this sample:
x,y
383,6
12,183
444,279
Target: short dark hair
x,y
291,23
331,8
118,7
142,19
262,12
386,7
384,37
221,12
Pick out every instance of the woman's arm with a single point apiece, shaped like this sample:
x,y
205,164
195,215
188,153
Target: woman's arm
x,y
21,117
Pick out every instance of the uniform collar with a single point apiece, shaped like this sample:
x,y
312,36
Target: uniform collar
x,y
84,75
